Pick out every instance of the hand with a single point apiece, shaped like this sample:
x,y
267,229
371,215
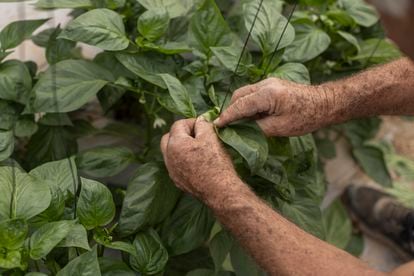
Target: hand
x,y
281,108
195,158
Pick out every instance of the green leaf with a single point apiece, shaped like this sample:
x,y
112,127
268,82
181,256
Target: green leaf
x,y
310,42
188,227
355,245
173,7
57,4
363,13
337,224
351,39
104,238
47,237
16,32
102,28
209,29
12,259
153,24
229,57
269,26
149,199
306,214
105,161
95,205
6,144
341,17
61,174
220,247
151,256
372,161
249,141
242,263
180,96
13,233
25,127
295,72
9,115
68,85
148,66
84,265
376,51
112,267
21,195
15,81
169,48
59,49
77,237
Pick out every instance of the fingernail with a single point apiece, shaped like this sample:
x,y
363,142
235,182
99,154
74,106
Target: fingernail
x,y
216,121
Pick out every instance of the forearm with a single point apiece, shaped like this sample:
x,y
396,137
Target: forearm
x,y
383,90
278,246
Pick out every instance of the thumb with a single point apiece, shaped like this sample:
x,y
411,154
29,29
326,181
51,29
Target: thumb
x,y
203,128
245,107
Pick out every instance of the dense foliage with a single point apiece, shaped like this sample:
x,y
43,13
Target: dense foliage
x,y
162,60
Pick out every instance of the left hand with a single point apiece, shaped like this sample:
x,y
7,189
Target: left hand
x,y
196,160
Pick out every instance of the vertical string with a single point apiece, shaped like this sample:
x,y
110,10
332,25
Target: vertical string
x,y
265,72
242,52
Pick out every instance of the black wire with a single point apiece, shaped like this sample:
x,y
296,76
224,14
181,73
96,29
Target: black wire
x,y
242,52
280,40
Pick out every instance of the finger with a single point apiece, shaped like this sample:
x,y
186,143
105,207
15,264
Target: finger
x,y
164,144
183,128
278,126
203,129
243,91
245,107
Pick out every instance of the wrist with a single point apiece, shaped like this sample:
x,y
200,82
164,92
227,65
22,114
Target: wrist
x,y
333,103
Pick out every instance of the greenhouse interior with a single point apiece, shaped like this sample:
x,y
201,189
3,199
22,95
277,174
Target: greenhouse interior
x,y
206,137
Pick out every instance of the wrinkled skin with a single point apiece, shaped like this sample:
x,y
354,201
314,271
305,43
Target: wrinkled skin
x,y
282,108
196,159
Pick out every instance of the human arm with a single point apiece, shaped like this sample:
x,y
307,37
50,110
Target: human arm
x,y
288,109
199,165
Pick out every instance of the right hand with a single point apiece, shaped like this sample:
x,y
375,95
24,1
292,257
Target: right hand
x,y
281,108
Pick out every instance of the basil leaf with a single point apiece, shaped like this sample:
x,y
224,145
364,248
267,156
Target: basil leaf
x,y
95,205
149,199
13,259
269,26
180,96
102,28
63,4
148,66
371,159
153,24
220,247
306,214
151,256
9,115
351,39
47,237
249,141
16,32
15,81
229,57
295,72
376,51
77,237
188,227
59,49
13,233
25,127
105,161
309,43
337,224
68,85
22,196
209,29
61,174
173,7
363,13
6,144
84,265
112,267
